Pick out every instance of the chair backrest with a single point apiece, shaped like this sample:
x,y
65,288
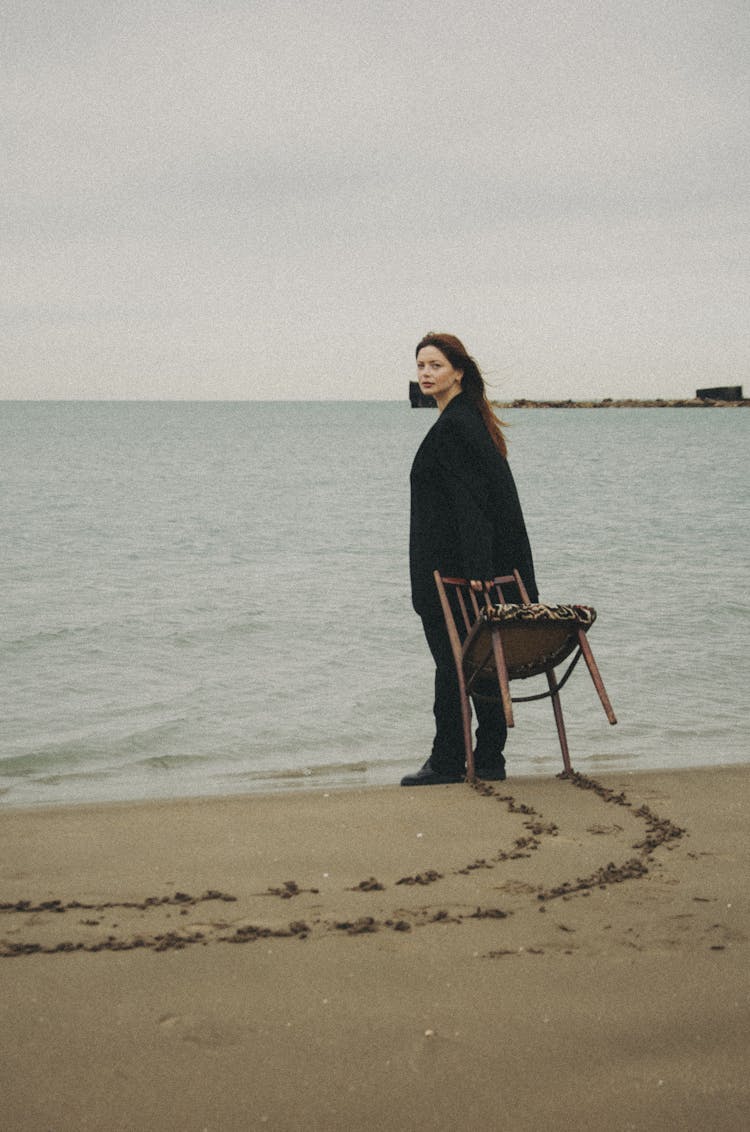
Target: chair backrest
x,y
467,599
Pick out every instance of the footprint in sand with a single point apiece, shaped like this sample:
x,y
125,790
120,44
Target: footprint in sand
x,y
202,1032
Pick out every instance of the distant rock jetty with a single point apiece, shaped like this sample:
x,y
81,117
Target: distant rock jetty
x,y
719,397
610,403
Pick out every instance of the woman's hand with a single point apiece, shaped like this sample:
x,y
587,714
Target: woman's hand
x,y
476,585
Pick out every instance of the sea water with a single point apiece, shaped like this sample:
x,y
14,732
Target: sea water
x,y
205,598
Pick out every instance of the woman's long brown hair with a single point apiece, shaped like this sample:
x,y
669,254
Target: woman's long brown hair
x,y
472,383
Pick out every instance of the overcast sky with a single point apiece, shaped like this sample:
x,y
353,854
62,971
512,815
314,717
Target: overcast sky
x,y
276,199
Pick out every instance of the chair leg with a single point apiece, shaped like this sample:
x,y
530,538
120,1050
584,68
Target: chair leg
x,y
457,651
466,719
502,675
593,668
557,709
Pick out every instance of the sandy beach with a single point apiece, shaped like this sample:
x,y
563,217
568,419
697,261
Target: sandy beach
x,y
536,954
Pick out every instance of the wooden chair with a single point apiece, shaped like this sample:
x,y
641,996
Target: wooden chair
x,y
494,643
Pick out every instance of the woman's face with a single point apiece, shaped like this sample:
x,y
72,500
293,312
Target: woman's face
x,y
437,377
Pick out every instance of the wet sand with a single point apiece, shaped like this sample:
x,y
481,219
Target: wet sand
x,y
536,954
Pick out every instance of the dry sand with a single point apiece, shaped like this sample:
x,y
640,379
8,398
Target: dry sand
x,y
538,954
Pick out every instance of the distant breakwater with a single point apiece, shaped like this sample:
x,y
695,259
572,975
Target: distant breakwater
x,y
611,403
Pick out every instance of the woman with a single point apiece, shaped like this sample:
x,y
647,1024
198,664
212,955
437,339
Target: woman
x,y
466,521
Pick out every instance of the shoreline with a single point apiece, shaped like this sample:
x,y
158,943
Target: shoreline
x,y
534,953
302,787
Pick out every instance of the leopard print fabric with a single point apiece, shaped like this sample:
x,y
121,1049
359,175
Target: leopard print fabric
x,y
582,615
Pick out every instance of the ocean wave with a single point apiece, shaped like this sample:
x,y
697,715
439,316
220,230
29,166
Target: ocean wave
x,y
45,637
321,770
174,762
40,762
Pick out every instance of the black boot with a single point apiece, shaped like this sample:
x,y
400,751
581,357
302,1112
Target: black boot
x,y
428,776
491,770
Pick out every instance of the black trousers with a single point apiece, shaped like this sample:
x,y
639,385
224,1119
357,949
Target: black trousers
x,y
448,752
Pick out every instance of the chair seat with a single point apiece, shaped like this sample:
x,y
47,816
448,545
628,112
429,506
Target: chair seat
x,y
535,637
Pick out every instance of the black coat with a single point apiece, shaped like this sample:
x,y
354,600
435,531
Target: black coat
x,y
466,518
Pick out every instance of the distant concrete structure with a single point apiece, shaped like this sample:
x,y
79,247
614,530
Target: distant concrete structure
x,y
418,399
720,393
